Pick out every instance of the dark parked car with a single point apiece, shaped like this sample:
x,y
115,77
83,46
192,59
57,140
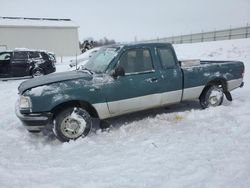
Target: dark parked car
x,y
22,63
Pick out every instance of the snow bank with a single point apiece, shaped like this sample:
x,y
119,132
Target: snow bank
x,y
180,146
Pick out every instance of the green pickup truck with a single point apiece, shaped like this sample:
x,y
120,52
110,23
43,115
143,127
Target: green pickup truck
x,y
121,79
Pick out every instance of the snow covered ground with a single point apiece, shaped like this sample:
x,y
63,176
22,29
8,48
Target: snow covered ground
x,y
180,146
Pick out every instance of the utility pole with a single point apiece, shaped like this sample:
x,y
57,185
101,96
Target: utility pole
x,y
230,33
247,30
214,34
202,37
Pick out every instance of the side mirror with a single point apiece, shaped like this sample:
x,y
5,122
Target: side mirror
x,y
180,63
119,71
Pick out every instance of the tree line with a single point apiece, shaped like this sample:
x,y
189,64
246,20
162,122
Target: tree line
x,y
91,43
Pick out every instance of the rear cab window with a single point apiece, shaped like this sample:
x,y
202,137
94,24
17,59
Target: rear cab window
x,y
167,58
136,61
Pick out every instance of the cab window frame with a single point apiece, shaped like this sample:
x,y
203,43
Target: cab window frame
x,y
160,57
136,49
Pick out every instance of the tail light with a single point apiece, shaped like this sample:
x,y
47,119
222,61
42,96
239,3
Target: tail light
x,y
242,71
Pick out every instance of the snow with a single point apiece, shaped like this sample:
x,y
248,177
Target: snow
x,y
180,146
81,59
21,22
84,56
87,54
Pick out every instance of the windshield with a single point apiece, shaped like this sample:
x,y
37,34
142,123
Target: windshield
x,y
100,61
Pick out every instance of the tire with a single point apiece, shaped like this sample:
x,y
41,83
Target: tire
x,y
37,72
212,96
72,123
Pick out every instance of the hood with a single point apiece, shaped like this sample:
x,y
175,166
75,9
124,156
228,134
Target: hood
x,y
52,78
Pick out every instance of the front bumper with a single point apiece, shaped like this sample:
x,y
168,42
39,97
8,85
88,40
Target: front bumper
x,y
34,121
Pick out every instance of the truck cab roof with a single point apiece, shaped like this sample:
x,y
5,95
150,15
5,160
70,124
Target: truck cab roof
x,y
140,44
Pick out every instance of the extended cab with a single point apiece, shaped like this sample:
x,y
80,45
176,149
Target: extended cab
x,y
122,79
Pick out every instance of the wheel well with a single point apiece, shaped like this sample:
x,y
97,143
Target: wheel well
x,y
31,69
219,82
91,110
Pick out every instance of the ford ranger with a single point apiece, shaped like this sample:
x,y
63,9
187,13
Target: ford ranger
x,y
121,79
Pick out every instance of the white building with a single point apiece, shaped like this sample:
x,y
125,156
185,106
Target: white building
x,y
55,35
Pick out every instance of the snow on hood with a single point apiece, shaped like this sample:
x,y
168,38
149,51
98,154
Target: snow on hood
x,y
52,78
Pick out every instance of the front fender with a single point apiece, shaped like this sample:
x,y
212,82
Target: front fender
x,y
45,98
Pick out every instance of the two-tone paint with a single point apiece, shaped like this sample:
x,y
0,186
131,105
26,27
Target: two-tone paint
x,y
110,96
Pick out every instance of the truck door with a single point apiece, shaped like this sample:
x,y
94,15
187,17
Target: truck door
x,y
138,89
19,64
171,79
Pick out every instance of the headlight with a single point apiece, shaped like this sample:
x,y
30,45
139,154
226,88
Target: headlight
x,y
24,102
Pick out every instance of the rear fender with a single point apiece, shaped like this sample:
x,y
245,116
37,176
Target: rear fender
x,y
221,82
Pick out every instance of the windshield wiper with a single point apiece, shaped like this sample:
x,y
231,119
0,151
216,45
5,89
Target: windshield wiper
x,y
87,70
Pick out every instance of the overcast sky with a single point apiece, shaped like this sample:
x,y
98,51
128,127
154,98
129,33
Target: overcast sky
x,y
123,20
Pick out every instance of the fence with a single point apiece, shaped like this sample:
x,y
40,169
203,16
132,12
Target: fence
x,y
226,34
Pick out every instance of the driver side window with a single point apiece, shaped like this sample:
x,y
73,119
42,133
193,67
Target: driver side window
x,y
136,61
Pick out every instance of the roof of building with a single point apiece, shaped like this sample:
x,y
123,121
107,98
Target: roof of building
x,y
36,22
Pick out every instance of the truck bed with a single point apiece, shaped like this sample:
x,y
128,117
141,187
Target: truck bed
x,y
197,73
198,62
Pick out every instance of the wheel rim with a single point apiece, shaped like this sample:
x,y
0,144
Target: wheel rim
x,y
37,73
215,97
73,126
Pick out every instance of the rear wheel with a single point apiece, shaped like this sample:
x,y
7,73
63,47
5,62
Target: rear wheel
x,y
212,96
37,72
72,123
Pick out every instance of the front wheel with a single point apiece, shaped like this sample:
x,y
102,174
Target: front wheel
x,y
211,97
72,123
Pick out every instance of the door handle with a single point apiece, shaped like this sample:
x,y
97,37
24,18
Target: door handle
x,y
151,80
